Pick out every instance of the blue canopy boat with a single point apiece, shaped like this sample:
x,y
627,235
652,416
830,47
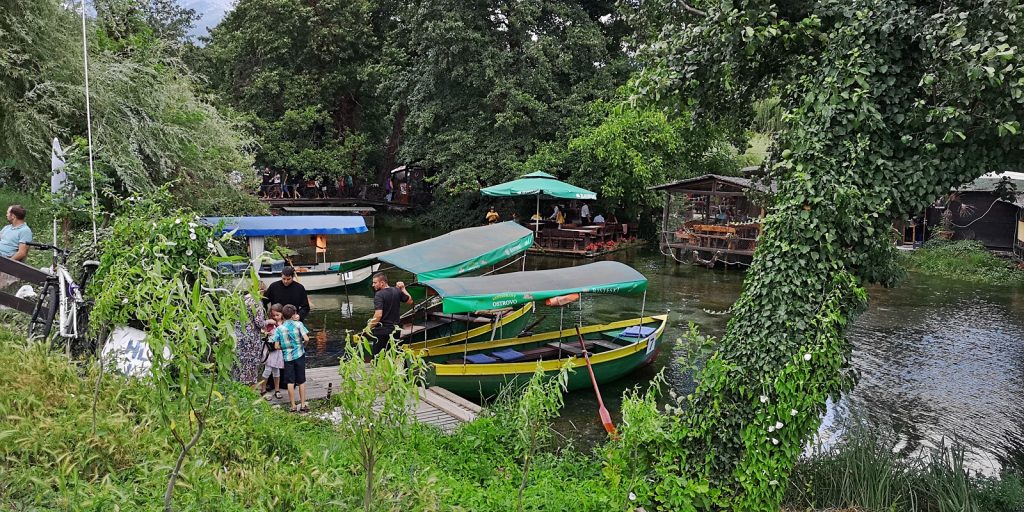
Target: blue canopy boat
x,y
320,276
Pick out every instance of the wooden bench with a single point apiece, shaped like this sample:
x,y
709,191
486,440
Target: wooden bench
x,y
573,348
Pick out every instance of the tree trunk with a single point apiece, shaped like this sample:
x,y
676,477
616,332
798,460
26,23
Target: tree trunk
x,y
393,144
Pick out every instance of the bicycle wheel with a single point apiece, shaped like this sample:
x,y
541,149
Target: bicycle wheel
x,y
83,344
42,315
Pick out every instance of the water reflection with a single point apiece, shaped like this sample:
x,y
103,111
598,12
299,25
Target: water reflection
x,y
937,359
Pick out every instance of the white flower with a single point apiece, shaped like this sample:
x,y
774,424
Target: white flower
x,y
771,429
154,224
632,497
192,225
773,482
124,300
188,252
177,221
775,441
792,412
778,425
192,236
764,399
807,356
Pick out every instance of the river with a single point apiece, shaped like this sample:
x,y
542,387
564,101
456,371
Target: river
x,y
938,359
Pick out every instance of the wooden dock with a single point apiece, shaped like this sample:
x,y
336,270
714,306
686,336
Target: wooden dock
x,y
435,406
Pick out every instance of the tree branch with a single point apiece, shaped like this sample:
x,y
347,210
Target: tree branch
x,y
693,10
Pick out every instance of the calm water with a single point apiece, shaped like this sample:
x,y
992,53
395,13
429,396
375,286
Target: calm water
x,y
938,359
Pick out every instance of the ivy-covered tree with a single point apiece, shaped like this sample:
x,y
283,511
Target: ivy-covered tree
x,y
887,104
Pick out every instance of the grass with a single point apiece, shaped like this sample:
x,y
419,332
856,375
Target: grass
x,y
863,473
252,456
962,260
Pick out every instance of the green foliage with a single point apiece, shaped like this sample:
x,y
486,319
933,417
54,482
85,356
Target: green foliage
x,y
965,260
152,273
468,90
885,106
150,126
863,472
632,150
530,413
251,456
374,401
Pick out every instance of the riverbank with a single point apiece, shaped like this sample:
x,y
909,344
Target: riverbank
x,y
965,260
257,457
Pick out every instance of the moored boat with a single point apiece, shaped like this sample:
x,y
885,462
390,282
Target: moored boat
x,y
450,255
321,276
481,369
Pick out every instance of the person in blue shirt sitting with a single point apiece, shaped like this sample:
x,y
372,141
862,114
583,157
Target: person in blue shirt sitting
x,y
14,239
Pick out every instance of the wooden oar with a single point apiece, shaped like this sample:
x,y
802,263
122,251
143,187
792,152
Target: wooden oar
x,y
602,411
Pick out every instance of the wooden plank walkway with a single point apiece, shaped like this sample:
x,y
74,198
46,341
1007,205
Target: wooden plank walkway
x,y
435,406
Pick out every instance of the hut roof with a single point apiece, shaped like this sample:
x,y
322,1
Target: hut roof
x,y
705,182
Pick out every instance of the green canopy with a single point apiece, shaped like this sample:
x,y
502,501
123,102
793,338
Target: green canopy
x,y
539,184
463,294
454,253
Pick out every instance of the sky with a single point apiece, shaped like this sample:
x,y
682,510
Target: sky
x,y
211,12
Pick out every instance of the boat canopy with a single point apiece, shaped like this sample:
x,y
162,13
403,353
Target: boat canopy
x,y
464,294
291,225
538,183
454,253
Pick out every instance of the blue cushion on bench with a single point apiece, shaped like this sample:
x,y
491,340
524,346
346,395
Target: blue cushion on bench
x,y
480,358
637,331
508,355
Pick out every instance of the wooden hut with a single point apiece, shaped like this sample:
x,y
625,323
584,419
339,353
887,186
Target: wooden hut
x,y
976,212
711,219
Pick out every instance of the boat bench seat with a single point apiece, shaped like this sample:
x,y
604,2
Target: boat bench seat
x,y
462,318
408,330
536,354
604,344
574,348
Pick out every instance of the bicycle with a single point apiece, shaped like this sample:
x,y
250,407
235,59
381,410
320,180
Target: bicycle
x,y
63,298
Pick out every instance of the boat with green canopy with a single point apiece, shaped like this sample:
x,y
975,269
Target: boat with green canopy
x,y
449,255
481,369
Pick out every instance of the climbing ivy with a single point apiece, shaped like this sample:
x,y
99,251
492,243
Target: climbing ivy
x,y
886,104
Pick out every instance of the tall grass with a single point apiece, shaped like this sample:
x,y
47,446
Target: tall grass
x,y
963,260
864,473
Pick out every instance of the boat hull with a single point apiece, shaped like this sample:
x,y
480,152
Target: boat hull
x,y
320,277
481,381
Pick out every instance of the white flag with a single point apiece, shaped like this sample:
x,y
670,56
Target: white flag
x,y
59,177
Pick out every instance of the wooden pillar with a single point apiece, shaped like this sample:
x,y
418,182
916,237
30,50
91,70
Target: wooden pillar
x,y
664,220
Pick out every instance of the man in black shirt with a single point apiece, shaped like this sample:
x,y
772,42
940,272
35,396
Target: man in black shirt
x,y
288,291
386,314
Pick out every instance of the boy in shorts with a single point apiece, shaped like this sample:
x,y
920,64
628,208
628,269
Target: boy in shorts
x,y
289,337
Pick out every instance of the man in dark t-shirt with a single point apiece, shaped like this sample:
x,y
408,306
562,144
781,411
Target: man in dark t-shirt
x,y
387,312
288,291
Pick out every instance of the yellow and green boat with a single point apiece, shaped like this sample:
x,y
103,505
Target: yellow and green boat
x,y
446,256
481,369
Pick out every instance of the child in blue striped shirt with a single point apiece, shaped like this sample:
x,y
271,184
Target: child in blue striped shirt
x,y
289,337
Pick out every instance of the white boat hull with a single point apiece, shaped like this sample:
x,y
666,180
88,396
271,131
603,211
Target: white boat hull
x,y
320,277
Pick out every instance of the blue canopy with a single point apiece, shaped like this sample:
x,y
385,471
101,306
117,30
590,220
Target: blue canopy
x,y
291,225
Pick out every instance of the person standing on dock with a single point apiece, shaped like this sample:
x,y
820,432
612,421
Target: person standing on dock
x,y
289,337
386,310
585,215
288,291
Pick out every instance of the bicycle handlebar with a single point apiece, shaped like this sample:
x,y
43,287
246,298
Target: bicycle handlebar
x,y
47,247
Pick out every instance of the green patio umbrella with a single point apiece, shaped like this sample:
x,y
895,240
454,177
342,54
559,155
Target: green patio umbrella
x,y
538,184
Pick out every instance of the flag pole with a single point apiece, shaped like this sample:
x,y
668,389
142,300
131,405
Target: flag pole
x,y
88,128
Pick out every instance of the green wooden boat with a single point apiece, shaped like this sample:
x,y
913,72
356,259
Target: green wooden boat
x,y
613,351
481,369
449,255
